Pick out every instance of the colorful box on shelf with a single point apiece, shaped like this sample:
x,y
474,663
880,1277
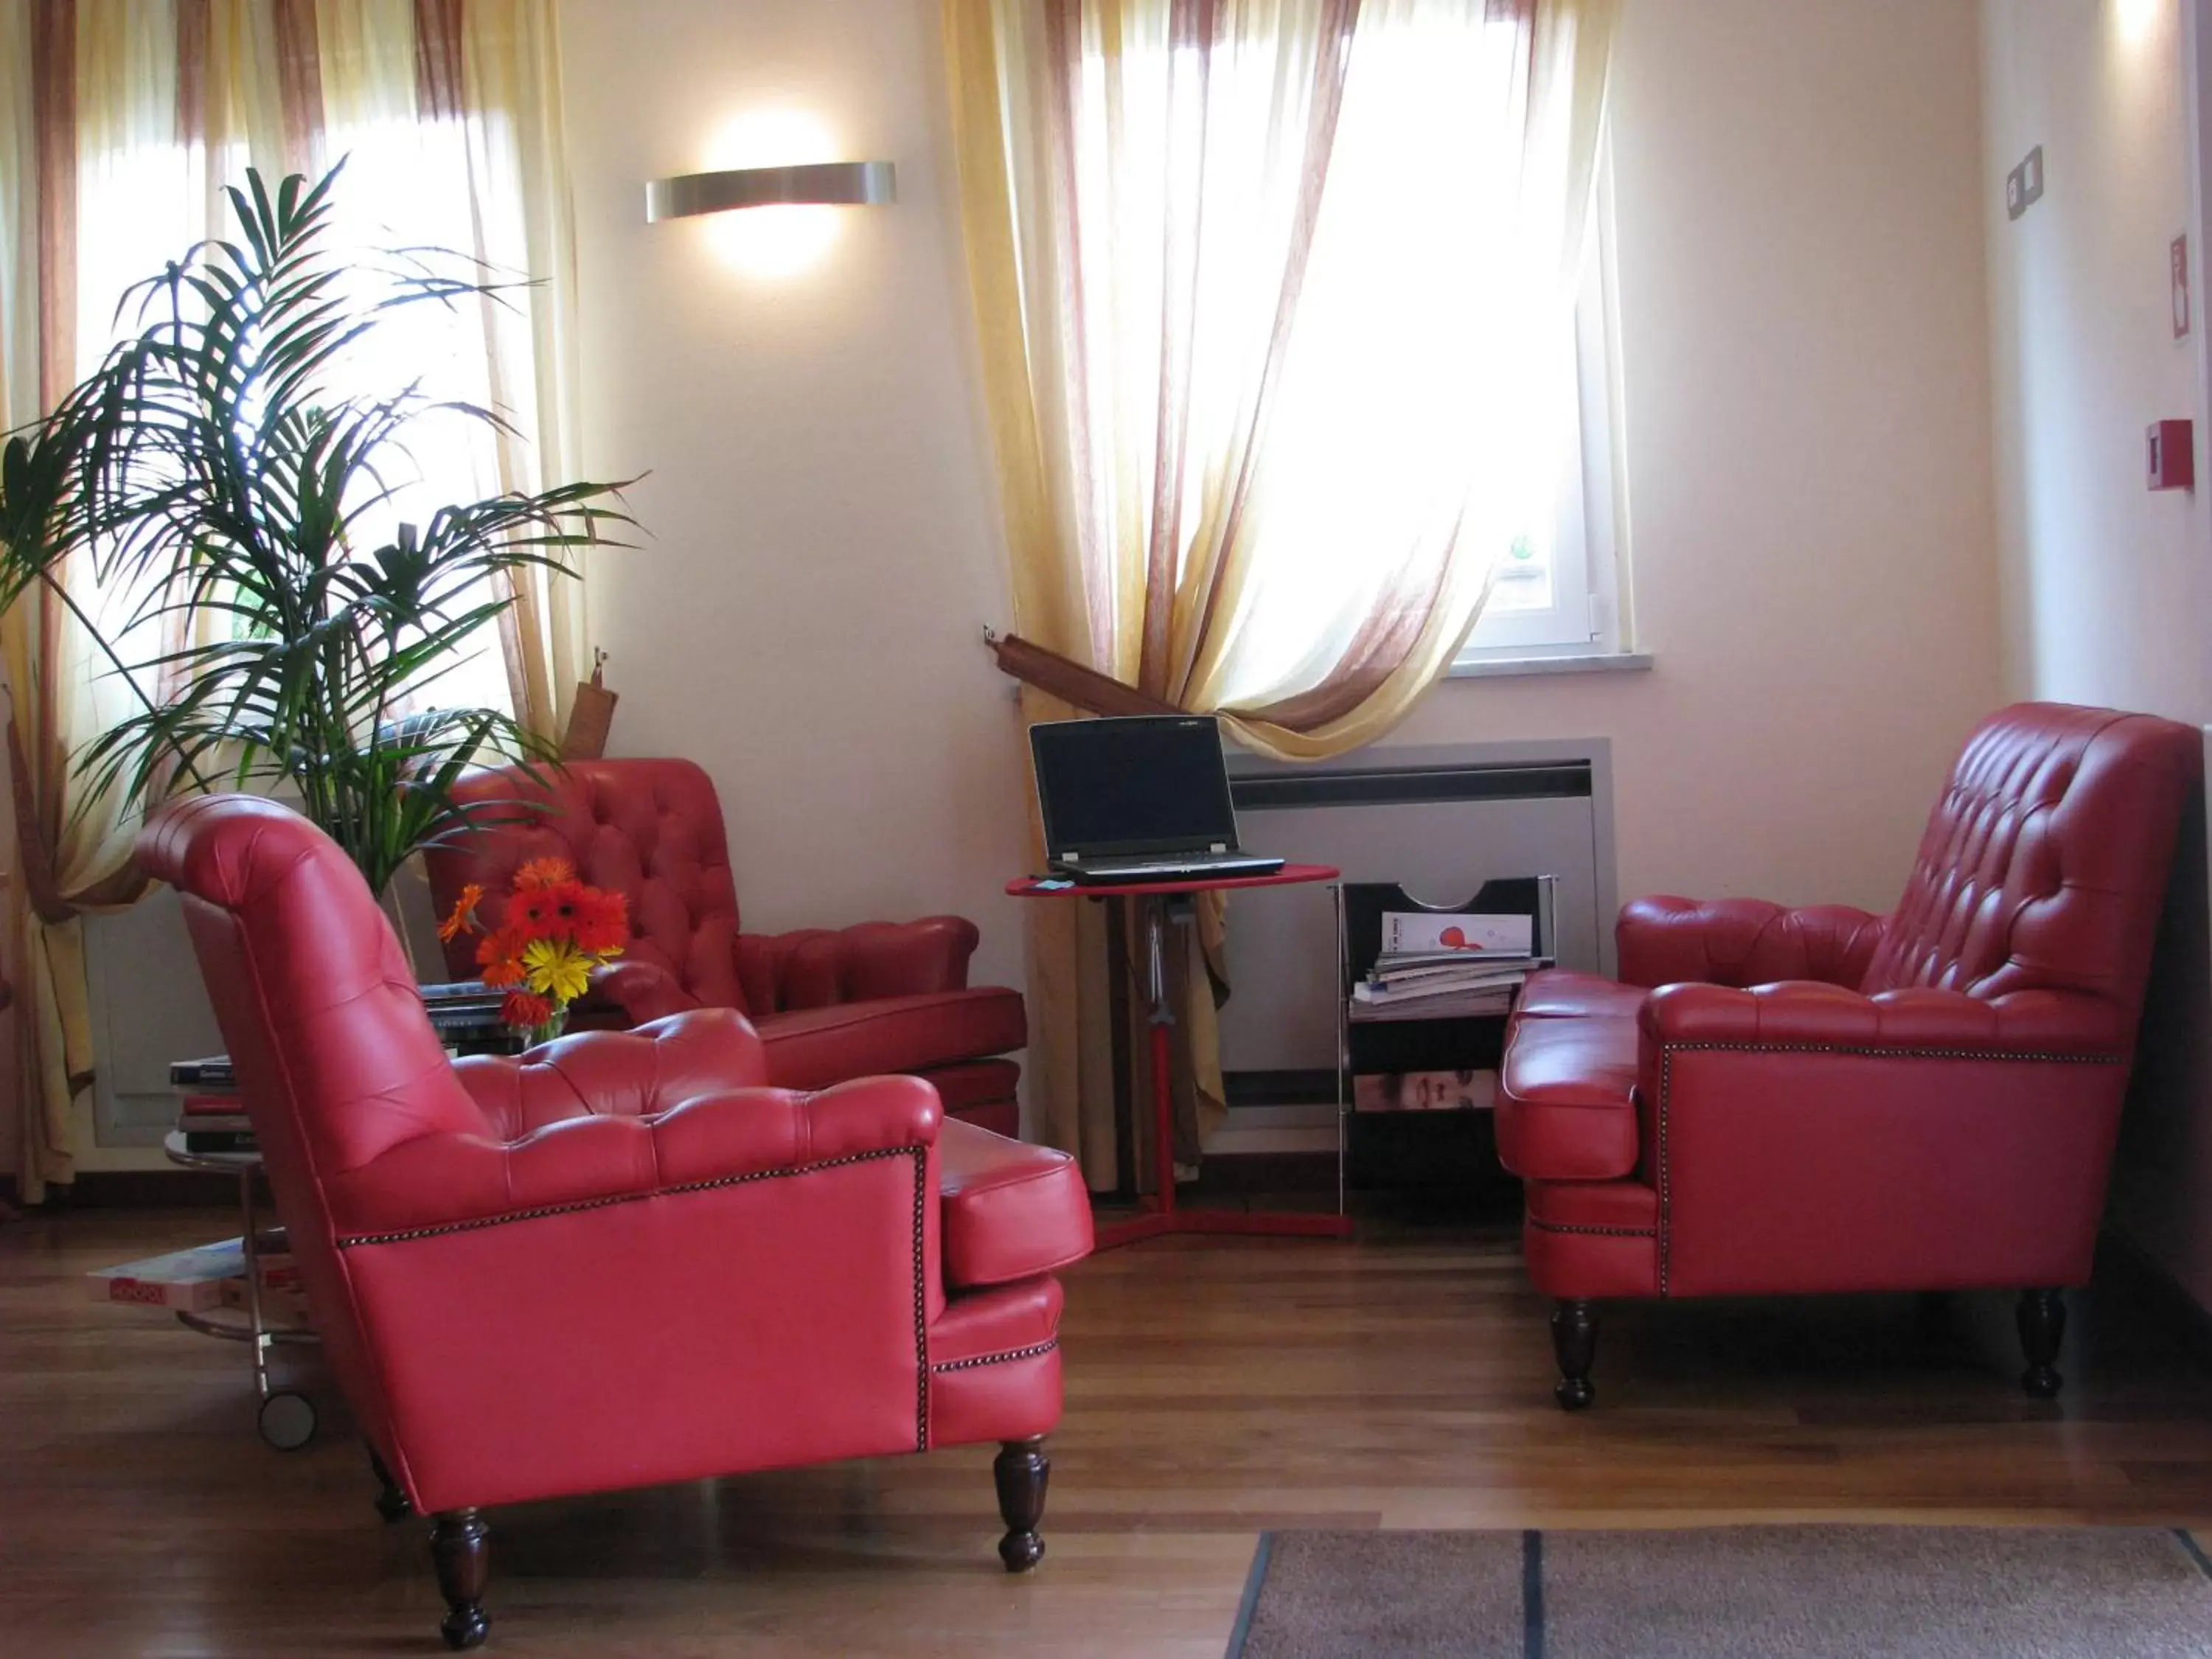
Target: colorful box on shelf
x,y
203,1279
190,1280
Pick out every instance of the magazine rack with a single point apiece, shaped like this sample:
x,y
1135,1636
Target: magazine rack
x,y
1447,1043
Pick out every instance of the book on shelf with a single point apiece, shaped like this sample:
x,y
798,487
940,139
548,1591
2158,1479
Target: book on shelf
x,y
1423,1091
1454,1004
1467,976
211,1075
232,1122
220,1140
215,1123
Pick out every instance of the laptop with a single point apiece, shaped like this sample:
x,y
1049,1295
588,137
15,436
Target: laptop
x,y
1137,797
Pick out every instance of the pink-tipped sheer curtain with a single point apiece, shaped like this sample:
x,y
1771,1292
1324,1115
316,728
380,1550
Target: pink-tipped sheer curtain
x,y
1265,291
121,121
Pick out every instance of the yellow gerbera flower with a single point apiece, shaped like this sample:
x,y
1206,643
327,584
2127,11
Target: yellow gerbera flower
x,y
557,968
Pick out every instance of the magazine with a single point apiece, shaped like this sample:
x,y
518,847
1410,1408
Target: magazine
x,y
1417,932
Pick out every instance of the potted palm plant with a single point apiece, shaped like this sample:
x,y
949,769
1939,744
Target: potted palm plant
x,y
223,492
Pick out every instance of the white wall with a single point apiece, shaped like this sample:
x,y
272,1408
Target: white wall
x,y
2106,586
1805,344
806,622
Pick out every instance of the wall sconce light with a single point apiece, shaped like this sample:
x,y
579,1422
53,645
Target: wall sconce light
x,y
831,184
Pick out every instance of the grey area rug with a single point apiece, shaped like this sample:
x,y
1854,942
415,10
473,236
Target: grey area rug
x,y
1729,1593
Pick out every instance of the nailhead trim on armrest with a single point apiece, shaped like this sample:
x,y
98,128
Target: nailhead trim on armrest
x,y
352,1241
1599,1232
1030,1352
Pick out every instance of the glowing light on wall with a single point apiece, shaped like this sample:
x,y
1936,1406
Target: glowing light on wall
x,y
2138,20
774,192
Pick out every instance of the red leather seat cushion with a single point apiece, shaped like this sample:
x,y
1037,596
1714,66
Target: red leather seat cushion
x,y
1566,1108
1563,992
1010,1211
814,1047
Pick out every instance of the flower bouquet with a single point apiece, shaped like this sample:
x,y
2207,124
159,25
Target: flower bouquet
x,y
555,931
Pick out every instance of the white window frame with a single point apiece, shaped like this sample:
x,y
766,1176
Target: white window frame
x,y
1589,616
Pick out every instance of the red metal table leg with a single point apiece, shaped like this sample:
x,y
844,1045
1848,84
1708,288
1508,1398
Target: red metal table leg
x,y
1162,1217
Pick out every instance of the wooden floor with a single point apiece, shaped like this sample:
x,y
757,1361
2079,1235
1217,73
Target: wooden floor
x,y
1214,1389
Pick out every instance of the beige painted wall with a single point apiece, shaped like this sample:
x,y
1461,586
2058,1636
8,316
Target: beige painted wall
x,y
1802,296
2106,586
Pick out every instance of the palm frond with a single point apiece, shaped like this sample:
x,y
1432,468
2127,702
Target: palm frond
x,y
217,482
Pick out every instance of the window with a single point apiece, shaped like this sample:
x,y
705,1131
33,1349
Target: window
x,y
1558,590
1294,279
142,199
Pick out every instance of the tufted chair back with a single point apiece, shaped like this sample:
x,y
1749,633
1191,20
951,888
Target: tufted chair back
x,y
2044,864
650,830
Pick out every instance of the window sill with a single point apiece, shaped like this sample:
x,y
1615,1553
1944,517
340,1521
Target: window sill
x,y
1606,662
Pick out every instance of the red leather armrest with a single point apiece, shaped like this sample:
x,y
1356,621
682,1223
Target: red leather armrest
x,y
1799,1014
444,1181
642,990
816,968
1665,940
1012,1211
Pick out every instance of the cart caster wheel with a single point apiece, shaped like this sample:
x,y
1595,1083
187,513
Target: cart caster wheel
x,y
287,1420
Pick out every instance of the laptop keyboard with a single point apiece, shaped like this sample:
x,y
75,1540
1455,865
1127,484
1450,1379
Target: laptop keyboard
x,y
1168,867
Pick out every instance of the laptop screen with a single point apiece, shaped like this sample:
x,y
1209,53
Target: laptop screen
x,y
1133,784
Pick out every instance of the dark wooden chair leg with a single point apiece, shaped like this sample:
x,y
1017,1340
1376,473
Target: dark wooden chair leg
x,y
1021,1470
391,1503
1574,1340
458,1548
2042,1328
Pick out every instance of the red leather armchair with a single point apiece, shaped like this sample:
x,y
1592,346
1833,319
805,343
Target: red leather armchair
x,y
880,997
1781,1100
620,1259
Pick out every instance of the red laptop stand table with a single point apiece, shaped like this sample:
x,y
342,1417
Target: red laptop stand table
x,y
1161,1216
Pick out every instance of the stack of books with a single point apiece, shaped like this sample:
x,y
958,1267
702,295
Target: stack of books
x,y
1435,965
211,1119
210,1114
465,1015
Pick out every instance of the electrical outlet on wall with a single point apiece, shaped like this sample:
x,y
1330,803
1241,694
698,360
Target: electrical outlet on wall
x,y
2024,184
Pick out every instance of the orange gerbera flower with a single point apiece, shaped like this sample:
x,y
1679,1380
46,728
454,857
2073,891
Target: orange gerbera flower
x,y
464,919
529,912
500,955
525,1010
543,873
602,922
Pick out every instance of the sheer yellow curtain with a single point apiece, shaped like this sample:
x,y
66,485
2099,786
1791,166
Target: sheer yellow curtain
x,y
120,123
1265,291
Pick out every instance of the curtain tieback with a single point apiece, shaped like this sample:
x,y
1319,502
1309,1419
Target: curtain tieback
x,y
1070,681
